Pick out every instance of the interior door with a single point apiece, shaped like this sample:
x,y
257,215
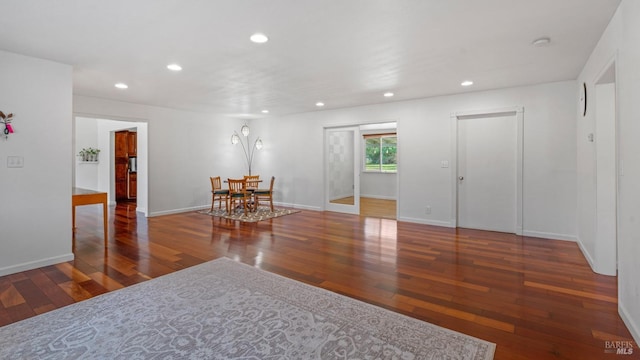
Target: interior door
x,y
342,171
487,172
121,165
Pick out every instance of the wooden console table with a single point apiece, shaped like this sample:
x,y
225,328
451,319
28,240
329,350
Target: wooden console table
x,y
89,197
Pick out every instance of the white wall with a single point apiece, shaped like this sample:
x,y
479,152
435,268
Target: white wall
x,y
184,150
86,173
620,42
606,178
586,184
424,140
379,185
35,210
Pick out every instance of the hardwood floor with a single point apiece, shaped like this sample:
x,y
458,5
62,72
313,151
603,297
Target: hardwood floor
x,y
534,298
378,208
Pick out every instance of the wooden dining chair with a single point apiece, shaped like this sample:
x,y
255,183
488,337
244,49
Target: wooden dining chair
x,y
238,192
264,194
218,193
253,181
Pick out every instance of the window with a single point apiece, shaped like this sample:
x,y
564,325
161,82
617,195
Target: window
x,y
380,153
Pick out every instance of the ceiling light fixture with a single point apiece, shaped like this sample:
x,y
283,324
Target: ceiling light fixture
x,y
466,83
122,86
265,111
543,41
319,104
388,94
174,67
259,38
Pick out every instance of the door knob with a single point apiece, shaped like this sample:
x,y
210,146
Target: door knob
x,y
460,178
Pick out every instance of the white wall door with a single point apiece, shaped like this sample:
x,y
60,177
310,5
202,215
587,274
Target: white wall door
x,y
487,172
342,170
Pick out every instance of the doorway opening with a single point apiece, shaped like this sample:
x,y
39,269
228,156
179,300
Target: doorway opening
x,y
126,165
606,164
361,170
100,133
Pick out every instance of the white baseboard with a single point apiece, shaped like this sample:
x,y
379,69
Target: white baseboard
x,y
591,262
178,211
634,328
381,197
426,222
452,224
550,236
297,206
35,264
587,256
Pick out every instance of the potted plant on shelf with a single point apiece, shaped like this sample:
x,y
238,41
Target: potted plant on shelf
x,y
93,154
83,155
89,154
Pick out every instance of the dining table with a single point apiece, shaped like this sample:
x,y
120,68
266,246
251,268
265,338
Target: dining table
x,y
82,196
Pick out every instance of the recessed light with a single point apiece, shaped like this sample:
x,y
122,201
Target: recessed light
x,y
259,38
466,83
122,86
388,94
543,41
174,67
319,104
265,111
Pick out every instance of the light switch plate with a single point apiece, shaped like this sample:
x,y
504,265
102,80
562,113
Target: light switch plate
x,y
15,161
444,163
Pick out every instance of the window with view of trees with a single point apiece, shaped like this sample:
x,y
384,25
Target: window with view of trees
x,y
380,153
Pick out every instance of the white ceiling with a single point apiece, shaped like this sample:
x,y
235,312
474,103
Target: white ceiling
x,y
342,52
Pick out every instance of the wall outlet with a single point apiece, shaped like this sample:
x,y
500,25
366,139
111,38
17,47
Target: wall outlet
x,y
15,161
428,210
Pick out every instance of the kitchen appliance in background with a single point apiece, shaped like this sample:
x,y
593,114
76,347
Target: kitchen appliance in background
x,y
133,164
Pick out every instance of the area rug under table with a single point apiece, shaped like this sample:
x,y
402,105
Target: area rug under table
x,y
262,213
226,310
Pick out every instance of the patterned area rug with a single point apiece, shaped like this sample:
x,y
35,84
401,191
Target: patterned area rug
x,y
226,310
263,213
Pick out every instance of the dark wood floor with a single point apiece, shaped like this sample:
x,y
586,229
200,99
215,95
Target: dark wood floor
x,y
534,298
